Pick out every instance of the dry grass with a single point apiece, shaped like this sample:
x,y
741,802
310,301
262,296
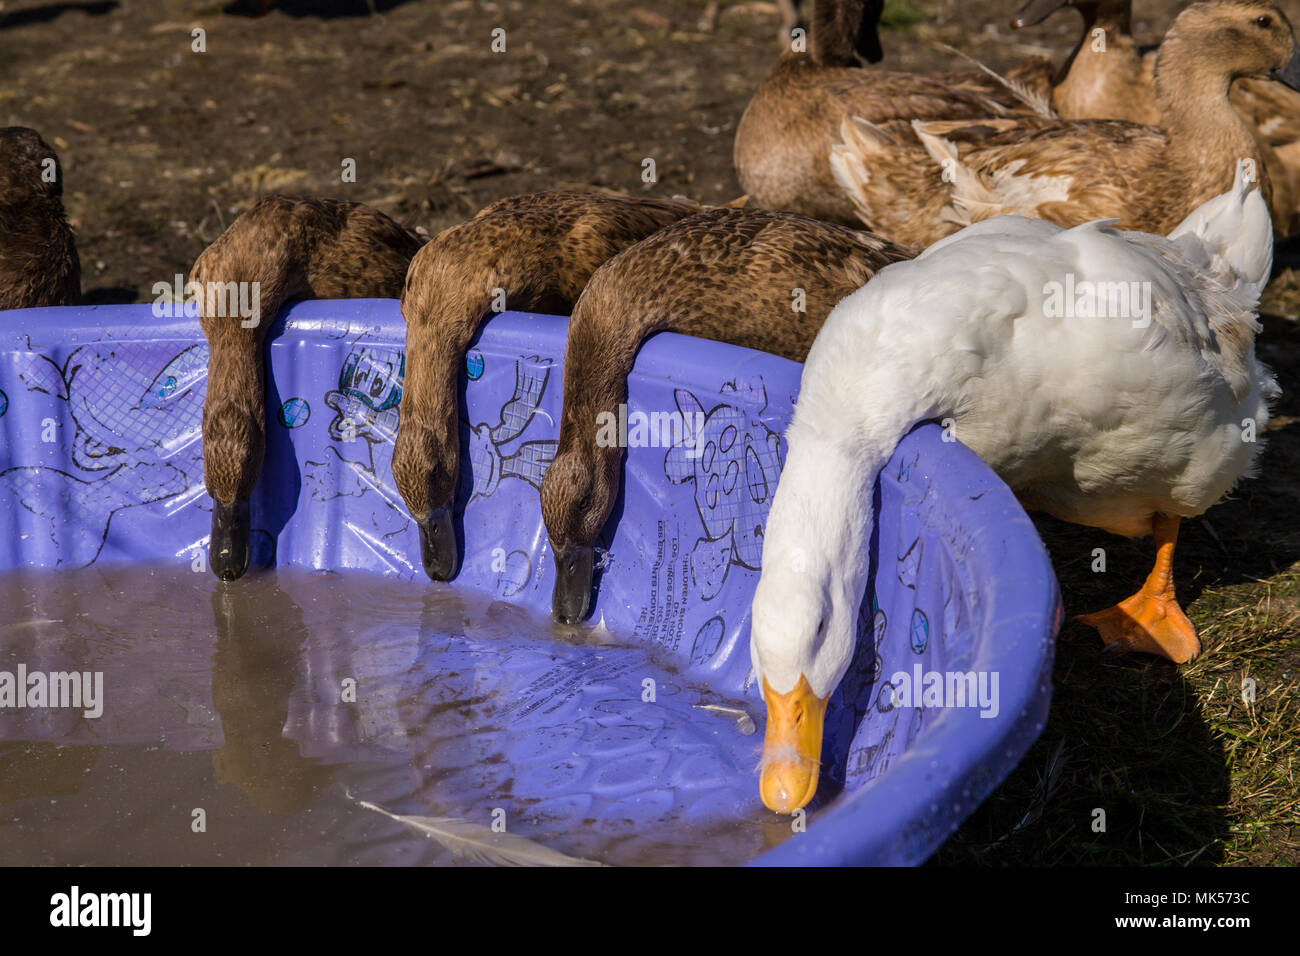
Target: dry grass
x,y
1185,770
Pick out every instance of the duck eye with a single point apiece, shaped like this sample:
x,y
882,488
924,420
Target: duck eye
x,y
1264,22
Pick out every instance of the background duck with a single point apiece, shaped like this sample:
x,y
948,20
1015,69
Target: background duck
x,y
38,255
1105,421
533,252
726,274
919,189
1110,76
292,249
786,132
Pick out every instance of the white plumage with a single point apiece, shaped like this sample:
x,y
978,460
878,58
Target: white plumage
x,y
1100,419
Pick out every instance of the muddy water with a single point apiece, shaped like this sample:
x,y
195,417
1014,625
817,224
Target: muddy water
x,y
247,723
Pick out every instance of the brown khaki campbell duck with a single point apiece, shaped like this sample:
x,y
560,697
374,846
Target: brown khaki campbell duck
x,y
533,253
1109,76
38,255
786,133
921,181
726,274
285,249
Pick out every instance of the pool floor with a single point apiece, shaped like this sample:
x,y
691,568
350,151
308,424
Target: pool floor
x,y
251,723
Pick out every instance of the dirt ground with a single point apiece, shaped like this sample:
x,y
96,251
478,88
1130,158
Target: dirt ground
x,y
162,146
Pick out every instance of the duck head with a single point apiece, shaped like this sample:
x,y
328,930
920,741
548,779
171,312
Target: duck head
x,y
803,627
426,469
1234,38
29,167
578,494
843,30
1036,11
233,446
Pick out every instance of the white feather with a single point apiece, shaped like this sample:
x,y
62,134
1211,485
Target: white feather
x,y
1100,419
1227,238
1035,101
481,844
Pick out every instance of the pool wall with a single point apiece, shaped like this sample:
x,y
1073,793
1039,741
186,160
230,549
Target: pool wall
x,y
100,461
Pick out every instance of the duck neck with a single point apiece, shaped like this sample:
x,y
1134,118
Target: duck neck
x,y
837,27
1206,135
428,436
1104,65
823,504
595,425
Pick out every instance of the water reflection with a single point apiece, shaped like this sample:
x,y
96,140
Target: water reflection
x,y
275,704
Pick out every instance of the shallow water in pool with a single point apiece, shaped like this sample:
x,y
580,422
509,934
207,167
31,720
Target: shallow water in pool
x,y
248,723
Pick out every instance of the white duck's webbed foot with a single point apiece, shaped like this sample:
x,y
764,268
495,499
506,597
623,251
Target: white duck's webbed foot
x,y
1151,621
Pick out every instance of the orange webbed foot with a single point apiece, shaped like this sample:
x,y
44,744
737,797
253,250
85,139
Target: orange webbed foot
x,y
1151,620
1147,623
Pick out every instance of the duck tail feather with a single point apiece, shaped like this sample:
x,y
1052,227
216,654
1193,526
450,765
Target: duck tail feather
x,y
1034,101
971,199
1230,235
861,142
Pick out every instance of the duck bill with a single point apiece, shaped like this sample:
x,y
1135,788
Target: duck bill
x,y
868,45
571,598
438,548
228,547
1289,75
1035,12
792,749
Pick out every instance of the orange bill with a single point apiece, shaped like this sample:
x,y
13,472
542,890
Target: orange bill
x,y
792,749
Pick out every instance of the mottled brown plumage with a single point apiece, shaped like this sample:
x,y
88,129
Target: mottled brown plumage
x,y
533,253
294,249
1147,177
38,255
726,274
785,135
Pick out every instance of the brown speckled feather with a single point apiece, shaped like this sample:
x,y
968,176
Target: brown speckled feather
x,y
1272,108
38,255
295,249
727,274
539,250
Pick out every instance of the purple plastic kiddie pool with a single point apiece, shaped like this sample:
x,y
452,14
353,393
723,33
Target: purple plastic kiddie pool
x,y
637,739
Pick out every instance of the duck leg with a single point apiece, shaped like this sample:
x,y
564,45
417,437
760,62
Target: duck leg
x,y
1151,621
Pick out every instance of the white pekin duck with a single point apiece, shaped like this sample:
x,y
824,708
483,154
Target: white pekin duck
x,y
1123,422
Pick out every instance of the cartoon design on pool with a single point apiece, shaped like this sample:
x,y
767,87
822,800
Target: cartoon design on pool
x,y
490,461
734,462
365,406
136,413
909,563
294,413
708,639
